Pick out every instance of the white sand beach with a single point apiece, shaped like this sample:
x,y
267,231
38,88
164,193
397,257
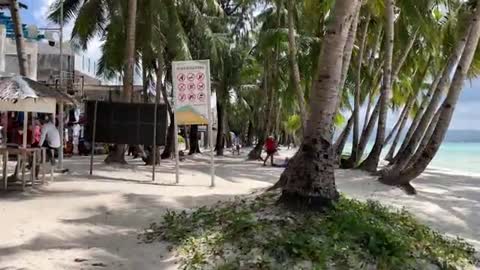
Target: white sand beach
x,y
83,222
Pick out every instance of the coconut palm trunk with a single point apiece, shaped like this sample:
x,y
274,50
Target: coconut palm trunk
x,y
193,138
425,139
402,158
371,163
309,180
343,137
256,152
130,51
366,134
294,69
421,110
404,177
220,143
118,155
396,126
403,122
358,88
419,79
19,39
347,53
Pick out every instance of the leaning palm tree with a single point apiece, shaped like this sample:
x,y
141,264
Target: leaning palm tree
x,y
14,7
371,163
309,180
444,114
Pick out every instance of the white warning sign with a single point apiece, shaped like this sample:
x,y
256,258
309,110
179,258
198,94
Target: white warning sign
x,y
191,86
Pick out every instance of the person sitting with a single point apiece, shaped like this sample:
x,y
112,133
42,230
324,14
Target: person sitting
x,y
271,149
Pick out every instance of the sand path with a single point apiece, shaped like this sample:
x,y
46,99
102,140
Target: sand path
x,y
82,222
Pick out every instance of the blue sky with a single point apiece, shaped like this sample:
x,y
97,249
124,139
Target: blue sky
x,y
467,114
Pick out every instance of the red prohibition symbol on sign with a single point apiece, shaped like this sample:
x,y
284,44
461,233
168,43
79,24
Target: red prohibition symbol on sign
x,y
182,87
201,86
191,87
182,98
201,97
191,77
181,77
200,76
191,97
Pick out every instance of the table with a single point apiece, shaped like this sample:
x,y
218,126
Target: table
x,y
22,154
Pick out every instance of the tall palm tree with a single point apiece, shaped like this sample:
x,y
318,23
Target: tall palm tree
x,y
14,6
118,155
404,177
309,180
371,163
294,69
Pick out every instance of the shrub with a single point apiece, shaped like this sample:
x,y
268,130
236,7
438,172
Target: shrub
x,y
255,233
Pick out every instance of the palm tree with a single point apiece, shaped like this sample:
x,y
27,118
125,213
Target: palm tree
x,y
309,180
371,163
404,177
356,108
118,155
292,44
14,6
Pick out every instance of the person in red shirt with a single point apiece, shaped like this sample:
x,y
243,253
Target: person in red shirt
x,y
271,149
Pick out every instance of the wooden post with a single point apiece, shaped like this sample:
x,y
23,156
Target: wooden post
x,y
24,152
154,148
25,129
34,167
5,177
44,158
22,158
93,136
51,166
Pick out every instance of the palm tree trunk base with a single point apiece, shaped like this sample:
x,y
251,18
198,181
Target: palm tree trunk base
x,y
256,152
117,156
369,165
347,164
308,183
388,177
170,143
148,158
299,202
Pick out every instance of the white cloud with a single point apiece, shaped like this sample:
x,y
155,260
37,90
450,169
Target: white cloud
x,y
94,46
41,13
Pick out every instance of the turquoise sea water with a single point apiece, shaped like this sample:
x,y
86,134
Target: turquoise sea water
x,y
464,157
458,157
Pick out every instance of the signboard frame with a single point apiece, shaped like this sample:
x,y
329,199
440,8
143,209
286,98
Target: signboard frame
x,y
187,77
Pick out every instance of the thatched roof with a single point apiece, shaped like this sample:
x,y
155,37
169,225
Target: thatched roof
x,y
16,88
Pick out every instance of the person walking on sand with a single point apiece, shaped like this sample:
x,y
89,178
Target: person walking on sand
x,y
271,149
236,144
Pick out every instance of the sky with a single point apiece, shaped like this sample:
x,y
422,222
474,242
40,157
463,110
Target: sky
x,y
37,14
467,114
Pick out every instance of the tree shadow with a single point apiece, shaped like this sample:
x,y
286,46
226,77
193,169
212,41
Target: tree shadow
x,y
109,236
449,203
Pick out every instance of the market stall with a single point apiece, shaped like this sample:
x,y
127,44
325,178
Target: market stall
x,y
23,95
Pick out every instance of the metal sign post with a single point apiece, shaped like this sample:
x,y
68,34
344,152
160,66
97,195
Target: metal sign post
x,y
192,103
154,147
177,158
93,137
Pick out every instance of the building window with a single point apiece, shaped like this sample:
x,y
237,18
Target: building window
x,y
83,62
88,65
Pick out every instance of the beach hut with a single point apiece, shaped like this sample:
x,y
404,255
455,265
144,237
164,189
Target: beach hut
x,y
21,94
